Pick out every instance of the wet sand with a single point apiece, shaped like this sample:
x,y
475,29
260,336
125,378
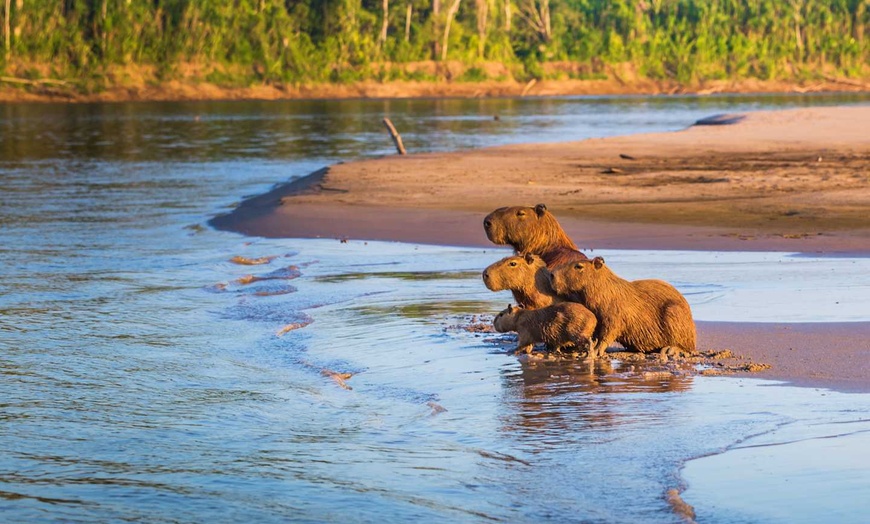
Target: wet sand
x,y
794,181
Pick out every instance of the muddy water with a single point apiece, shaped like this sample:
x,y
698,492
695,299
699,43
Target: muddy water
x,y
143,378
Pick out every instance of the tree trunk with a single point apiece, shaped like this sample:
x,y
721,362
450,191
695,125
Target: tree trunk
x,y
482,12
450,14
384,25
408,23
105,33
7,27
799,42
545,16
507,16
436,28
537,14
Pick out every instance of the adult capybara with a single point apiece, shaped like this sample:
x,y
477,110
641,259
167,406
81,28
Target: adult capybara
x,y
526,277
532,230
558,326
643,315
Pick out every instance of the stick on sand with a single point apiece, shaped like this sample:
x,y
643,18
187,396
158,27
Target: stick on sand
x,y
397,139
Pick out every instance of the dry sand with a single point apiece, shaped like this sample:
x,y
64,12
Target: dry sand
x,y
140,83
795,180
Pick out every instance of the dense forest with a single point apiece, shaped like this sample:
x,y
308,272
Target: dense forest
x,y
240,42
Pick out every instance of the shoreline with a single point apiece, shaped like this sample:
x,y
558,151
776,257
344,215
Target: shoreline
x,y
463,228
193,89
776,192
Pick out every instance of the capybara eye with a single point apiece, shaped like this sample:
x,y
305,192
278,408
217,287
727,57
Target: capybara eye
x,y
521,213
578,266
513,264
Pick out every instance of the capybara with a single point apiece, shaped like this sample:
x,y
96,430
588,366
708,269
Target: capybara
x,y
532,230
558,326
526,276
643,315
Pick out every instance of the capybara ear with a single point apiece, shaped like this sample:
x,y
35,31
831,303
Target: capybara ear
x,y
598,262
540,209
529,258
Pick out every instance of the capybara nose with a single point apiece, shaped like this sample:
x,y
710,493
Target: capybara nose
x,y
485,275
487,224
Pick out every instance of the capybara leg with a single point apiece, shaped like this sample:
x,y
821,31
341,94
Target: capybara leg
x,y
593,352
524,349
582,343
674,352
680,328
600,348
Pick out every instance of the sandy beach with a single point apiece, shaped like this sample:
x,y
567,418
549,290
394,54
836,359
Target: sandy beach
x,y
794,181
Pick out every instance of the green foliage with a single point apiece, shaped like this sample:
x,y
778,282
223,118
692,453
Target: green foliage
x,y
245,41
473,74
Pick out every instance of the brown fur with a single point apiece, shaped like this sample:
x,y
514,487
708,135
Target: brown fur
x,y
558,326
532,230
643,315
526,277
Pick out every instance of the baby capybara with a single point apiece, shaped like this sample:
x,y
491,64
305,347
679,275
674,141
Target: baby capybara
x,y
526,277
558,326
643,315
532,230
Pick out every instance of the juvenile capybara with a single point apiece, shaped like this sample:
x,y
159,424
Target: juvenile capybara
x,y
526,277
643,315
532,230
557,326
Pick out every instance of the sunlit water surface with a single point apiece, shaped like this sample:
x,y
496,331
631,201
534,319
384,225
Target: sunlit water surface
x,y
142,381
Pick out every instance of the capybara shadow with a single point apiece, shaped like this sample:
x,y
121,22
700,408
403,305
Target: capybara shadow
x,y
558,326
525,276
643,315
531,230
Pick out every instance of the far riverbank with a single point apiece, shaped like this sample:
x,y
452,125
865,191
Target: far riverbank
x,y
14,90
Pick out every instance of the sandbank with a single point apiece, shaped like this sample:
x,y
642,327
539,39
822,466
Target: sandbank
x,y
794,180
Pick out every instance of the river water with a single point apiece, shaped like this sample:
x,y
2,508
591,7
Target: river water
x,y
141,378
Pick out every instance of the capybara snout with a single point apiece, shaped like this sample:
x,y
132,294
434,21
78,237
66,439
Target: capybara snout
x,y
531,230
525,276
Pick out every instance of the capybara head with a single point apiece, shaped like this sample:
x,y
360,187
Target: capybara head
x,y
527,229
507,319
516,272
575,276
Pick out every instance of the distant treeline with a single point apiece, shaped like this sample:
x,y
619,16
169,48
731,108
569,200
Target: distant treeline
x,y
244,41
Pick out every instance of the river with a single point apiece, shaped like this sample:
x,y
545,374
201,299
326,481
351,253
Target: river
x,y
142,378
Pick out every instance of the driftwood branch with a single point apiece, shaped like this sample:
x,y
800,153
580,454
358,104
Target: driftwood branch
x,y
845,81
400,147
25,81
529,86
